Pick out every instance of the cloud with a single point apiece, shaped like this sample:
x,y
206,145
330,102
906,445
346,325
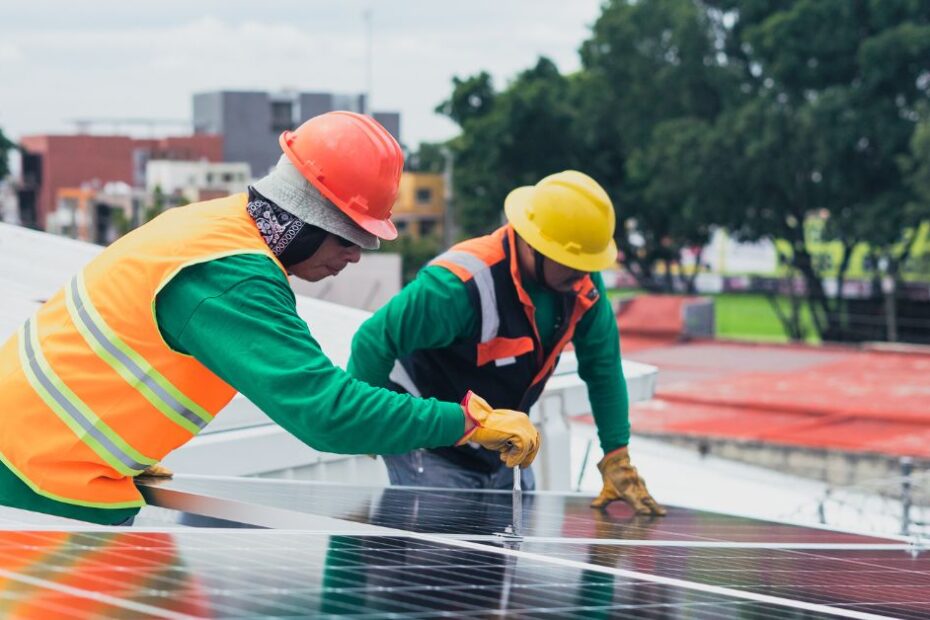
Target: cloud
x,y
131,59
10,52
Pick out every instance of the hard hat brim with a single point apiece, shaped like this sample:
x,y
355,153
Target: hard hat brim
x,y
517,206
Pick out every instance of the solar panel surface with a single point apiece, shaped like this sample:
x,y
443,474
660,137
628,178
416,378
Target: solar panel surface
x,y
483,513
887,581
805,569
286,574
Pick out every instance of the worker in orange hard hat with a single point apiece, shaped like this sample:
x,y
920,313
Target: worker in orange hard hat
x,y
493,314
149,341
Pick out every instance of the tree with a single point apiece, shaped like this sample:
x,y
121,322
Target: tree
x,y
835,87
508,139
669,177
6,145
428,158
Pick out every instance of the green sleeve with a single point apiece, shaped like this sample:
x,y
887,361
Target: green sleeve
x,y
237,315
429,313
597,345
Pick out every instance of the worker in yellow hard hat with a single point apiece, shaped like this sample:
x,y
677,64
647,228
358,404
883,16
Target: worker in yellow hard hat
x,y
492,315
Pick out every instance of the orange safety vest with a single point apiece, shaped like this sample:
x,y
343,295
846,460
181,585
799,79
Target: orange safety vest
x,y
91,393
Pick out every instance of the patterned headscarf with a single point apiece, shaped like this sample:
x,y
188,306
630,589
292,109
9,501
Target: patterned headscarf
x,y
289,238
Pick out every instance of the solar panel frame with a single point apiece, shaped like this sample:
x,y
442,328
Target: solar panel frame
x,y
471,514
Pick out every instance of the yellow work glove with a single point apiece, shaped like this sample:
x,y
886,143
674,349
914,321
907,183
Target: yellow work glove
x,y
622,481
503,430
156,471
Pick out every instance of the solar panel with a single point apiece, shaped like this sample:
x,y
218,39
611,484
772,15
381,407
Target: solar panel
x,y
262,573
470,514
888,581
667,565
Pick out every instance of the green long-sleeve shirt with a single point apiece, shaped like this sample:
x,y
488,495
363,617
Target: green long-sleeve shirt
x,y
237,315
434,311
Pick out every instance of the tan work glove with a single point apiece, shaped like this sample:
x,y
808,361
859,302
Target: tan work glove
x,y
503,430
622,481
156,471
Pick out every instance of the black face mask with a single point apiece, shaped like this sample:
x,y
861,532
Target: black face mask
x,y
290,239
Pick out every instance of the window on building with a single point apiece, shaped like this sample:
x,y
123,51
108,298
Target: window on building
x,y
401,226
228,177
427,227
281,116
424,195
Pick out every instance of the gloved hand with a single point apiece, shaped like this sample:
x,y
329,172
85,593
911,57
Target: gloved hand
x,y
622,481
503,430
156,471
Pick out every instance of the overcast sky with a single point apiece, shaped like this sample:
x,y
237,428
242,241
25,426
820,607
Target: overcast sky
x,y
61,60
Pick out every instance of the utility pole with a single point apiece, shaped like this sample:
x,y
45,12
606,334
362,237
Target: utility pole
x,y
449,232
368,61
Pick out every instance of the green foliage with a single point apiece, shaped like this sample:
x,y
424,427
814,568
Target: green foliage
x,y
428,158
509,139
754,115
6,145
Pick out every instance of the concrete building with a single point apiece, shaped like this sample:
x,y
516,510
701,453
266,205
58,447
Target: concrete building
x,y
52,162
196,180
420,206
251,121
94,213
9,204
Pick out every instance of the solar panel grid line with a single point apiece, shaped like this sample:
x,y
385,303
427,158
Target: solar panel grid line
x,y
60,610
235,595
680,583
96,596
413,512
701,544
898,582
572,517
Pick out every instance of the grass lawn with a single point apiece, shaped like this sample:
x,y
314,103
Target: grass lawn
x,y
744,316
750,316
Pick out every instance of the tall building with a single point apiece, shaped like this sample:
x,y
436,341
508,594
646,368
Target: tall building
x,y
50,163
251,121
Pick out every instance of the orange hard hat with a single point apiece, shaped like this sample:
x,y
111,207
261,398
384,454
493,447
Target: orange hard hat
x,y
353,161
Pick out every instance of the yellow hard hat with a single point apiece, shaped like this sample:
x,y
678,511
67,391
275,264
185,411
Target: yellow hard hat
x,y
566,217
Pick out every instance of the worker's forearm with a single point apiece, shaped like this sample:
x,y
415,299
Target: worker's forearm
x,y
246,330
597,346
372,357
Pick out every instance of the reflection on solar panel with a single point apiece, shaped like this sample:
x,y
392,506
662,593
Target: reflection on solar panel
x,y
477,513
848,576
363,552
288,574
748,568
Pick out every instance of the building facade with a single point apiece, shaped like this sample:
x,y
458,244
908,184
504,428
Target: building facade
x,y
53,162
420,206
94,213
251,121
192,181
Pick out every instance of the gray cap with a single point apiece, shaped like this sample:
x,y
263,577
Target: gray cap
x,y
288,189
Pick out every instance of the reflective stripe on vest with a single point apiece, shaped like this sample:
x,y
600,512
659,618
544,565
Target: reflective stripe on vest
x,y
130,365
484,282
73,411
92,393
